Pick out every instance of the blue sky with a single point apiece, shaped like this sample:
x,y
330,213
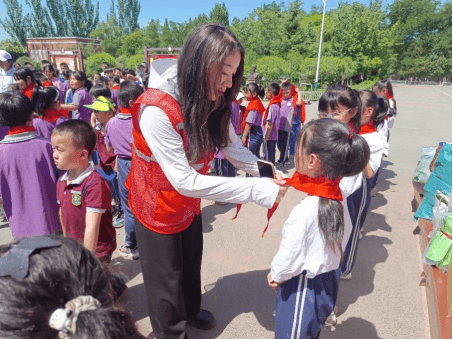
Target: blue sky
x,y
182,10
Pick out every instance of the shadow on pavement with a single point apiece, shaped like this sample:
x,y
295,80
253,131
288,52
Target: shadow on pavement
x,y
371,251
236,294
378,223
209,213
352,328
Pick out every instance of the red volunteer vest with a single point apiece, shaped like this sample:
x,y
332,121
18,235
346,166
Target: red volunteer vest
x,y
153,200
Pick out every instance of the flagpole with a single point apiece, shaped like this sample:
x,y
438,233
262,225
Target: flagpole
x,y
320,44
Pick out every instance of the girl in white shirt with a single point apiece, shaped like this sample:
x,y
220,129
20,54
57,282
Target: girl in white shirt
x,y
305,272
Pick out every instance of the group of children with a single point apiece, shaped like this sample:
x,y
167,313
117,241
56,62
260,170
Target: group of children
x,y
50,182
62,162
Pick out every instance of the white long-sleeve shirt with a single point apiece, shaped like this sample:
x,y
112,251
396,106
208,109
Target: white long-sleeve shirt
x,y
377,149
303,246
167,148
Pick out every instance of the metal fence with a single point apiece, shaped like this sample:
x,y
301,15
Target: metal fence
x,y
309,96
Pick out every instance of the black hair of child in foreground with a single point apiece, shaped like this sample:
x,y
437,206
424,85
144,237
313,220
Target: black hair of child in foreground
x,y
63,292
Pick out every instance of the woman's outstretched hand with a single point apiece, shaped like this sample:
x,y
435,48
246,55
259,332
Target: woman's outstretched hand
x,y
283,186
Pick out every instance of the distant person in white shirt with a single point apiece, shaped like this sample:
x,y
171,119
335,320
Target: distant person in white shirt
x,y
305,272
176,126
6,70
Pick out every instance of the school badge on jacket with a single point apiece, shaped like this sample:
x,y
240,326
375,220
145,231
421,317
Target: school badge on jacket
x,y
76,198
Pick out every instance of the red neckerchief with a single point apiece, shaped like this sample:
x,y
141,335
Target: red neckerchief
x,y
367,128
389,96
351,126
256,105
47,83
116,87
28,91
126,110
276,100
20,129
295,97
51,115
315,186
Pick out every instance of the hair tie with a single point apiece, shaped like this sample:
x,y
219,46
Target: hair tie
x,y
65,320
350,136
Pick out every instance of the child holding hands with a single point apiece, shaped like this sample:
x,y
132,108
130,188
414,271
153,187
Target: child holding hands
x,y
305,271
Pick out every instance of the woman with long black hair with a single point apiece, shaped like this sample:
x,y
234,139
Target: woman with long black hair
x,y
177,125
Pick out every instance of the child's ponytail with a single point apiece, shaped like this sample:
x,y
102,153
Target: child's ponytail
x,y
255,88
380,106
44,98
342,153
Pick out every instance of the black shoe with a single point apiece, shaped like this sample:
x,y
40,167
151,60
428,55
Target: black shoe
x,y
203,320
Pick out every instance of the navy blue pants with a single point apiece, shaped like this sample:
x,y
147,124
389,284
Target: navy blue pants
x,y
357,203
224,168
255,140
373,181
269,150
283,145
124,166
304,304
295,129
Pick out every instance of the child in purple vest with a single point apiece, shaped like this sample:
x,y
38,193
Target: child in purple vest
x,y
47,106
81,87
27,172
83,195
270,122
285,124
118,137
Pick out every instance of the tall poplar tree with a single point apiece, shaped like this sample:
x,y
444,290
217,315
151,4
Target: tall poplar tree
x,y
14,23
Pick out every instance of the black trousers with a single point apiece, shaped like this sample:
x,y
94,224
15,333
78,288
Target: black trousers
x,y
171,267
283,145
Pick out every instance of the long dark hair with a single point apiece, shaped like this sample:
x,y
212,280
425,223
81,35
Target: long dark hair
x,y
387,84
255,88
340,155
57,276
380,105
81,76
206,122
344,95
44,98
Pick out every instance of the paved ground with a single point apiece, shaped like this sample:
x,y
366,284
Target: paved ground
x,y
383,299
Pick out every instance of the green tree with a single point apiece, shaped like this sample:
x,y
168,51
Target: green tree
x,y
151,34
39,21
128,13
82,17
220,14
135,61
14,23
132,43
110,35
93,64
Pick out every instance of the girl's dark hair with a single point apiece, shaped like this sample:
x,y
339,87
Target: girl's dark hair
x,y
129,90
15,109
44,98
83,135
206,122
387,84
341,154
128,71
108,69
81,76
274,88
56,276
255,88
67,73
49,67
114,79
116,69
380,105
64,64
341,94
41,77
23,73
100,90
102,80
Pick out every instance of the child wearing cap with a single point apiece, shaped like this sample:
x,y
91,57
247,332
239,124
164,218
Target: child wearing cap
x,y
83,195
118,136
104,110
7,70
28,175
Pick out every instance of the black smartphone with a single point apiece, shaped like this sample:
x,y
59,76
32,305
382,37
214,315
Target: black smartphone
x,y
266,169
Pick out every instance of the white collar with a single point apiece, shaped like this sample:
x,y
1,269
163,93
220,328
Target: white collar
x,y
87,172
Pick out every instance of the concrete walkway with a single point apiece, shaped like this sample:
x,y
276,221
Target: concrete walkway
x,y
383,299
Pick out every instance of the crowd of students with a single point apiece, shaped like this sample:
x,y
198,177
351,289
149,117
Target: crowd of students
x,y
68,149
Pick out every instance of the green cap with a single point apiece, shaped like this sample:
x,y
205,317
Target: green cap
x,y
101,104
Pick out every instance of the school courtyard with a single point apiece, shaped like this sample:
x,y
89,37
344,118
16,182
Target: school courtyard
x,y
382,300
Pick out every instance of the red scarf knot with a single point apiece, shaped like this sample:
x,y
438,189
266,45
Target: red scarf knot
x,y
51,115
275,100
126,110
28,91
